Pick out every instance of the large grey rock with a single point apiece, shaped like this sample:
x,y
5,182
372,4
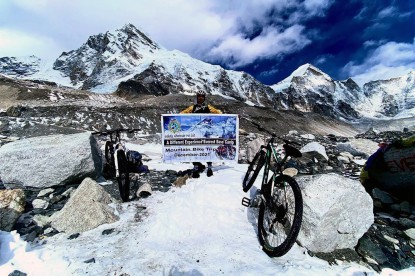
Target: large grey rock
x,y
314,150
50,160
360,147
337,212
12,203
85,210
253,147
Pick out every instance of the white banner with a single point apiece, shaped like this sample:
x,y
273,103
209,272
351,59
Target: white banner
x,y
200,137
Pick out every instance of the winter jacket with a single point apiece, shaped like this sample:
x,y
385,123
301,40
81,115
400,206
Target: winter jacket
x,y
201,108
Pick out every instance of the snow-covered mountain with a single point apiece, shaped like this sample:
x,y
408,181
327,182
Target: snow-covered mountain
x,y
308,89
143,67
391,98
128,62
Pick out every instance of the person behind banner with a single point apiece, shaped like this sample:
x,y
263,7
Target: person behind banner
x,y
201,107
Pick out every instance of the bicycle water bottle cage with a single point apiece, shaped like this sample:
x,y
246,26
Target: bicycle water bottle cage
x,y
291,151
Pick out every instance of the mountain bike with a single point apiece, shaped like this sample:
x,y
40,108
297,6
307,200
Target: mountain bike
x,y
279,200
116,160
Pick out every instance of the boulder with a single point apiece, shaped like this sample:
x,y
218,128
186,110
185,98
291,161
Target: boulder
x,y
358,147
314,150
12,204
337,212
253,147
50,160
85,210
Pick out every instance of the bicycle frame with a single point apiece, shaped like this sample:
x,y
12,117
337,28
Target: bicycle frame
x,y
271,152
276,215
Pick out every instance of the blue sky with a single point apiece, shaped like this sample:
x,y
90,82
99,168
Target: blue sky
x,y
362,39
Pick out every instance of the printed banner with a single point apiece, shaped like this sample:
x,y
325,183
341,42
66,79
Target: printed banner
x,y
200,137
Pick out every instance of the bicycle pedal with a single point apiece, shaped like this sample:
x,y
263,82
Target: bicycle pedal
x,y
246,202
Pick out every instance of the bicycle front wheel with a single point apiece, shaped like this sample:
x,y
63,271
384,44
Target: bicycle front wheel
x,y
254,167
280,216
124,177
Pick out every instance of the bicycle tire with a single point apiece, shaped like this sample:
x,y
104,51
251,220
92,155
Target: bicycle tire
x,y
109,166
108,152
278,226
253,170
123,178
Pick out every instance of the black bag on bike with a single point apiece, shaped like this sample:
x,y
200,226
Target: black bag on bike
x,y
134,158
135,163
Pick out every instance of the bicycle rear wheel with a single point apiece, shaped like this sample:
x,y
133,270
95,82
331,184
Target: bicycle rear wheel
x,y
124,177
280,216
254,167
108,148
109,166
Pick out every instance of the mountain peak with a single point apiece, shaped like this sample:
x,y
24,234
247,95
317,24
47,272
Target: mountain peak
x,y
304,71
135,34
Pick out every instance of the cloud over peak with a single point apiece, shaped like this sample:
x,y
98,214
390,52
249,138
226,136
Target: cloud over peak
x,y
237,51
389,60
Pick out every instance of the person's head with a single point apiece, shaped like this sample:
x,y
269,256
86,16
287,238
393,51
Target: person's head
x,y
200,97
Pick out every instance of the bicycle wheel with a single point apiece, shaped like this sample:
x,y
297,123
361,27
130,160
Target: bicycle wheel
x,y
254,167
124,177
109,167
280,216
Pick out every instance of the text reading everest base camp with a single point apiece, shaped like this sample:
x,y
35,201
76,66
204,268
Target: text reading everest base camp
x,y
200,142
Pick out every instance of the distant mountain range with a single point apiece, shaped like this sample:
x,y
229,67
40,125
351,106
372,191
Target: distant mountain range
x,y
129,63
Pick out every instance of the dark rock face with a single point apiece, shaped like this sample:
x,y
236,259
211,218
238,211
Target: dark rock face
x,y
18,67
151,82
156,81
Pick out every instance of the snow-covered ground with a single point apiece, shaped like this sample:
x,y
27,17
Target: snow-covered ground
x,y
199,229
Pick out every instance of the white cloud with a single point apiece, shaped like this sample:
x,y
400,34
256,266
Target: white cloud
x,y
387,61
14,43
317,7
190,26
238,51
387,12
175,24
30,5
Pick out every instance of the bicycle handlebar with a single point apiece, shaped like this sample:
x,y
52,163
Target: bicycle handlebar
x,y
130,130
261,128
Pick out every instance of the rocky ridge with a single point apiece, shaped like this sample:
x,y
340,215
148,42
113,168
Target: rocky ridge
x,y
29,109
309,89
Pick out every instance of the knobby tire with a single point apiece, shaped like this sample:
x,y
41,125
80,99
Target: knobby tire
x,y
279,220
253,170
124,177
